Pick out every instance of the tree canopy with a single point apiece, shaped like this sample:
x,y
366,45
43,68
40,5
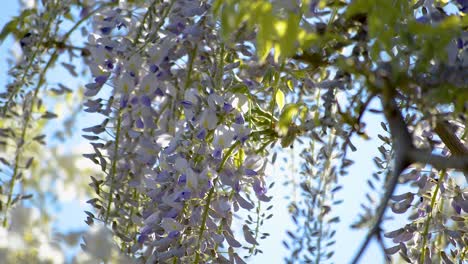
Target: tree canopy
x,y
191,100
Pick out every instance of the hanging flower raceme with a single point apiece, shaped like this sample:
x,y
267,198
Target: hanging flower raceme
x,y
179,160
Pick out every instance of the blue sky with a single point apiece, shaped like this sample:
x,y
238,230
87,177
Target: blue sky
x,y
71,215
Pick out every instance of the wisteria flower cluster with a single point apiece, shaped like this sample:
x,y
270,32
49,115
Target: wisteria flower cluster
x,y
181,159
190,98
180,163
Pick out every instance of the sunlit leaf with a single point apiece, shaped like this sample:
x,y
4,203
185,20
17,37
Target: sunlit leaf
x,y
279,99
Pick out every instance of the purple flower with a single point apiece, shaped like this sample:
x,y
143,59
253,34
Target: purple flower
x,y
185,195
173,234
139,123
248,82
209,184
250,172
313,6
106,30
109,64
163,176
173,213
421,213
84,12
134,100
460,43
102,79
182,179
423,20
244,138
202,134
237,186
239,119
217,153
154,68
145,100
176,28
159,92
142,239
259,188
92,89
187,104
227,107
463,5
120,25
123,102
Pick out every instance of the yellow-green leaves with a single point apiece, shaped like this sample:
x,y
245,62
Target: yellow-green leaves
x,y
287,36
265,30
10,27
290,85
289,113
279,31
384,19
279,97
287,129
228,23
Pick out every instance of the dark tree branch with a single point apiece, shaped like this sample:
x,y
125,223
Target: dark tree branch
x,y
438,161
402,143
388,260
449,138
451,141
405,153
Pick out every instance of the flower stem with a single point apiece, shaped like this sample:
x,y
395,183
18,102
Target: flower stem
x,y
50,62
12,182
155,32
192,56
147,13
429,217
206,208
202,226
257,228
22,139
35,53
114,166
31,61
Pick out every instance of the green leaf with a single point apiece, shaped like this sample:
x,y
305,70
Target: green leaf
x,y
357,7
288,41
227,21
290,111
267,77
12,26
240,88
239,158
279,99
9,28
290,85
265,30
69,17
216,6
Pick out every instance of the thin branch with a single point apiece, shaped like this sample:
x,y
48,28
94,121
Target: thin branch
x,y
402,143
406,154
449,138
388,260
438,161
399,166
